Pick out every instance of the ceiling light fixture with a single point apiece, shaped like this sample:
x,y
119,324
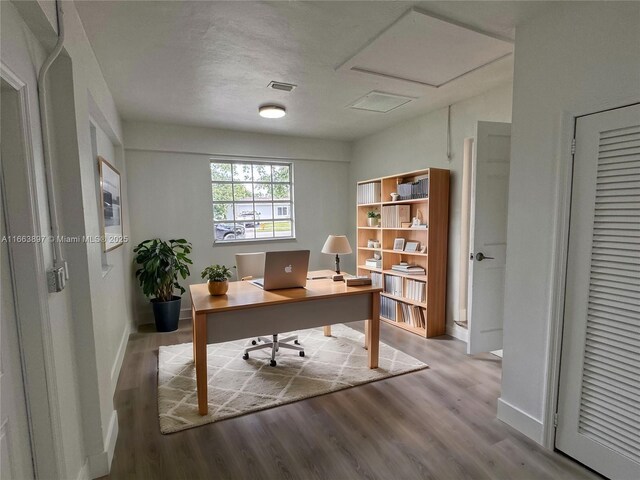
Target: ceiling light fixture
x,y
272,111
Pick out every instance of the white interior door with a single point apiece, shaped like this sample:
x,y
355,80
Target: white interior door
x,y
599,396
488,235
15,446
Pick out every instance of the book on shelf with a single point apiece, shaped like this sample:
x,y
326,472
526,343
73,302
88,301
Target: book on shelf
x,y
393,216
372,262
388,308
415,290
393,285
411,315
414,269
410,272
376,279
368,193
411,190
422,226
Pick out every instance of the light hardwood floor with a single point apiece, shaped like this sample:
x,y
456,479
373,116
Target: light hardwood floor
x,y
437,423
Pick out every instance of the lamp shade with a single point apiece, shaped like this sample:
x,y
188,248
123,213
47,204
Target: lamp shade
x,y
336,244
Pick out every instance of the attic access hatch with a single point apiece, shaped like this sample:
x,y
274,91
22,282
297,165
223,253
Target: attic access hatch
x,y
380,102
428,51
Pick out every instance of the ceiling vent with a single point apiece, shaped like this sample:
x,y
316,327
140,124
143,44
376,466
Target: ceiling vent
x,y
380,102
283,87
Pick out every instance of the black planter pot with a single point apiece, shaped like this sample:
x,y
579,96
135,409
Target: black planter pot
x,y
166,314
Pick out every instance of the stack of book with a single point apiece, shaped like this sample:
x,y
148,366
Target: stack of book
x,y
394,215
372,262
368,193
409,269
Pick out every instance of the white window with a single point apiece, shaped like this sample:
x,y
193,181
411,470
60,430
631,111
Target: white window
x,y
252,200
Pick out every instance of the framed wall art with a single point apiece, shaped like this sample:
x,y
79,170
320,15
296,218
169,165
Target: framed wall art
x,y
111,195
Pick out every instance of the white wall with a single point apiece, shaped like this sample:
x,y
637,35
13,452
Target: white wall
x,y
112,303
422,143
86,339
576,59
23,54
170,192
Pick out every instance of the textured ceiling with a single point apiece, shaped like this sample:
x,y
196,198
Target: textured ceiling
x,y
209,63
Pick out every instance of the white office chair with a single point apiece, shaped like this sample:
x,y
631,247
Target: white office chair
x,y
249,266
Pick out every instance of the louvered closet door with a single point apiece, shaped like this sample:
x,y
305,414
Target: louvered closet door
x,y
599,402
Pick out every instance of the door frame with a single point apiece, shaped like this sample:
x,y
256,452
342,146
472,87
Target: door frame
x,y
32,310
560,255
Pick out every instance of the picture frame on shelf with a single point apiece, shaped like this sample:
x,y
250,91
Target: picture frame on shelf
x,y
411,246
398,244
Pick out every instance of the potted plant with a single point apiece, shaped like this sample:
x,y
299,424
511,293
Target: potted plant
x,y
372,218
160,264
217,279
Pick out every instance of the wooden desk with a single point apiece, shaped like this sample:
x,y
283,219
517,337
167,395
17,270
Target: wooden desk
x,y
248,311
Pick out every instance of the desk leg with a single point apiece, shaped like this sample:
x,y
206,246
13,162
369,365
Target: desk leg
x,y
327,330
193,333
373,331
200,326
366,334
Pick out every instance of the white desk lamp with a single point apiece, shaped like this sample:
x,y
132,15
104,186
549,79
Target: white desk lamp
x,y
337,244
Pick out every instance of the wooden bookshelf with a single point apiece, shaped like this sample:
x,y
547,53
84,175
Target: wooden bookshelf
x,y
432,210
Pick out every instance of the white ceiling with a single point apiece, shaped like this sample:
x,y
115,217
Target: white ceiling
x,y
426,50
209,63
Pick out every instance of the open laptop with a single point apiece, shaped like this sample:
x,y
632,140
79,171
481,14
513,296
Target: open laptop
x,y
287,269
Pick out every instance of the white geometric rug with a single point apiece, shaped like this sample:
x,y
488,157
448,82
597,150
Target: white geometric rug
x,y
238,386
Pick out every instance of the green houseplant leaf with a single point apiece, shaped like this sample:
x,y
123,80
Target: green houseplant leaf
x,y
160,264
217,273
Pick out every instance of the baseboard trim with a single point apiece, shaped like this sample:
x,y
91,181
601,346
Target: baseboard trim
x,y
185,313
100,464
117,364
112,437
458,332
521,421
83,474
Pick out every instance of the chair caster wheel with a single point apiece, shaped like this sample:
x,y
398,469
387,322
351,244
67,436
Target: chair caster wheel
x,y
272,363
245,356
253,342
301,354
296,342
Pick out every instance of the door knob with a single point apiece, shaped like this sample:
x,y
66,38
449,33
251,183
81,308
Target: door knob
x,y
481,256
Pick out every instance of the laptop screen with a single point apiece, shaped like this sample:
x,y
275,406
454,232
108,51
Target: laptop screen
x,y
285,269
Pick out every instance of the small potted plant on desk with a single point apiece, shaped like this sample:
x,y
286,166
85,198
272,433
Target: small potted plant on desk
x,y
372,218
161,262
217,279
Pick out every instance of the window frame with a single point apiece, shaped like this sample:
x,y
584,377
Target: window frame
x,y
251,205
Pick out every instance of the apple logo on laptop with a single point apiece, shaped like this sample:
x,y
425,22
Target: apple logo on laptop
x,y
288,269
